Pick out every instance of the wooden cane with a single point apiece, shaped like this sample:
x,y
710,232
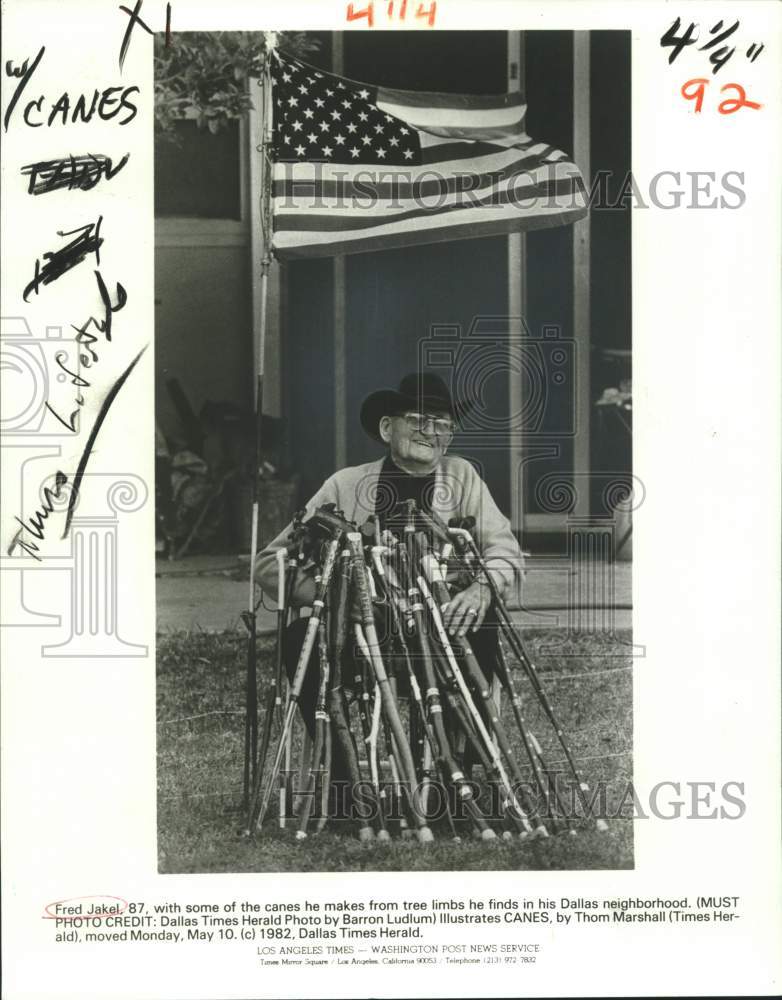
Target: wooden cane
x,y
337,704
464,537
399,609
430,763
322,578
480,725
370,720
440,598
361,586
563,812
407,554
273,704
506,681
318,745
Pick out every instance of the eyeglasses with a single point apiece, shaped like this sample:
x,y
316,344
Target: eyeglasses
x,y
421,421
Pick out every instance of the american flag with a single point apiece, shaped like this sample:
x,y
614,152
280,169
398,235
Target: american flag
x,y
360,168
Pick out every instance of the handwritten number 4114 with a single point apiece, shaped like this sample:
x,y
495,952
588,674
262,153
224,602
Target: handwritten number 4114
x,y
392,9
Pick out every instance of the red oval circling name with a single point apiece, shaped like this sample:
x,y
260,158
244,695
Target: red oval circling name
x,y
80,907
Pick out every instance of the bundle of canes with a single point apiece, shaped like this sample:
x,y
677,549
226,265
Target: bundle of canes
x,y
460,531
437,599
467,713
407,564
435,571
289,560
401,747
419,721
332,528
405,603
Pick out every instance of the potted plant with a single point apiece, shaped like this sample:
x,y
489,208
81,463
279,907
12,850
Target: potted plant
x,y
204,74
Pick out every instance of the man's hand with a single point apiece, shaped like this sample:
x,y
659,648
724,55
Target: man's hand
x,y
467,609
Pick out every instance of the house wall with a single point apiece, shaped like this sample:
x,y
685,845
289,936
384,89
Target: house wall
x,y
202,323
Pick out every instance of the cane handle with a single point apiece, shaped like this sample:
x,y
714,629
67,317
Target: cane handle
x,y
360,577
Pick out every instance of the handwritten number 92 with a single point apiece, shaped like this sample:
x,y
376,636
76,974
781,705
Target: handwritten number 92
x,y
695,90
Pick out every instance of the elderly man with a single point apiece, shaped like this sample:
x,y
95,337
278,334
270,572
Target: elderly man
x,y
416,423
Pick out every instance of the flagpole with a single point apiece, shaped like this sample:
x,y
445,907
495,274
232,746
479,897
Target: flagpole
x,y
251,708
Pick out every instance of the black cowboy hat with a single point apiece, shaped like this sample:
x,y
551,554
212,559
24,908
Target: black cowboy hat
x,y
421,392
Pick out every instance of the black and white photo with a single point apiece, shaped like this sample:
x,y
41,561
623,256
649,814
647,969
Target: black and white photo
x,y
440,337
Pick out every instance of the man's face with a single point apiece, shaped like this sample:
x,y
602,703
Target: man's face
x,y
417,441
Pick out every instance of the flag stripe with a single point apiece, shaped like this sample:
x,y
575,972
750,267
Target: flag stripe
x,y
498,136
331,213
460,122
431,143
326,245
568,194
340,181
414,99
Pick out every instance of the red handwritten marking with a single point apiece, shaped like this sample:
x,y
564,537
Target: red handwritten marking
x,y
697,95
429,13
695,90
733,104
80,916
367,12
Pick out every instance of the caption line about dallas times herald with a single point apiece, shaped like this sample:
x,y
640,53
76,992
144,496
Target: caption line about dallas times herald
x,y
374,931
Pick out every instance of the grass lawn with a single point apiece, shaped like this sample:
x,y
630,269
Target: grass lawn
x,y
200,733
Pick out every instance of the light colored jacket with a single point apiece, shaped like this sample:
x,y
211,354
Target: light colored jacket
x,y
459,491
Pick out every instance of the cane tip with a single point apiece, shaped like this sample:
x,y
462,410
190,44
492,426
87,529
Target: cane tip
x,y
366,834
488,834
601,825
301,835
425,835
